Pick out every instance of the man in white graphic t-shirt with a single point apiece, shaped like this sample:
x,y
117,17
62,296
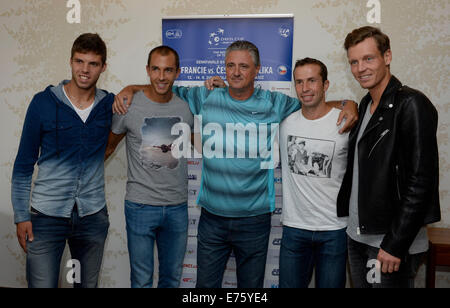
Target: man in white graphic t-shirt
x,y
314,159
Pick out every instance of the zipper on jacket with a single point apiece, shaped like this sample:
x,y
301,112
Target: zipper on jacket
x,y
398,184
378,141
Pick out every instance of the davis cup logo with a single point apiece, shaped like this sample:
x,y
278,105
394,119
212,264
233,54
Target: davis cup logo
x,y
218,40
214,37
282,70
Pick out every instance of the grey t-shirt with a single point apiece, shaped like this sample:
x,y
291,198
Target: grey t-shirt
x,y
155,176
420,244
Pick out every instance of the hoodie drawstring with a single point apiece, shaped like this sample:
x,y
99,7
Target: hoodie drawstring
x,y
56,131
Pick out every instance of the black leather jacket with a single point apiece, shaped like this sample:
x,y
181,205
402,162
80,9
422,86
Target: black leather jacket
x,y
398,168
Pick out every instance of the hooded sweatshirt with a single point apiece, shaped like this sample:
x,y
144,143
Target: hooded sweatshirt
x,y
69,154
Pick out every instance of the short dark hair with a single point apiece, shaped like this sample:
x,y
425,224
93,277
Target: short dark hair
x,y
358,35
305,61
164,50
245,45
89,42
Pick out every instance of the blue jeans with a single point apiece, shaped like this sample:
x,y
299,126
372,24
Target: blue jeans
x,y
168,226
364,274
302,250
248,237
86,238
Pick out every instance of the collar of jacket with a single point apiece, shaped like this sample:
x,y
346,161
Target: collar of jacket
x,y
392,87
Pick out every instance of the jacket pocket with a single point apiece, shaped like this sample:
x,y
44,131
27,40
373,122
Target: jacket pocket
x,y
102,129
49,126
59,133
383,134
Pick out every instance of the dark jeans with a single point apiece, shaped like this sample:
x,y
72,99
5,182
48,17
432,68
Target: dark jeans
x,y
247,237
362,260
303,250
86,238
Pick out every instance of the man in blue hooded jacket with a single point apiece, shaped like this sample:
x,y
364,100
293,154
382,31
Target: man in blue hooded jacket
x,y
65,132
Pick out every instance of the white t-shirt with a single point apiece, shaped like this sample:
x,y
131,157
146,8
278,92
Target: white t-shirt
x,y
82,113
313,161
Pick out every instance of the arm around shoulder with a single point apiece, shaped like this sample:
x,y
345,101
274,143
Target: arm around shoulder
x,y
349,113
123,99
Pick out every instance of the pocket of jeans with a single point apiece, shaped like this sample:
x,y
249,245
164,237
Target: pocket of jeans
x,y
101,218
264,218
34,212
133,206
105,214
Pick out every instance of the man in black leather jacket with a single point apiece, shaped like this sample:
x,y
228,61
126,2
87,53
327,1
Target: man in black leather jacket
x,y
390,190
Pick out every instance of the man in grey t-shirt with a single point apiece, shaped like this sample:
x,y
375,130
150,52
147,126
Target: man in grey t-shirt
x,y
156,194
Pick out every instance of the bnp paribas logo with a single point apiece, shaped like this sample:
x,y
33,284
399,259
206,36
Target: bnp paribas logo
x,y
173,34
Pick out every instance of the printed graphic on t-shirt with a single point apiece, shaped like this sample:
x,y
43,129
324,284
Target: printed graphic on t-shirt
x,y
157,143
310,157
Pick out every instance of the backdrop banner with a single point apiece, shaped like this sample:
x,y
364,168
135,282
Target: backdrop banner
x,y
201,43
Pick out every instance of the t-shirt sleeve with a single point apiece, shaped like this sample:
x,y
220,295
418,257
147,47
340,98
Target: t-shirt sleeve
x,y
118,126
194,96
285,105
